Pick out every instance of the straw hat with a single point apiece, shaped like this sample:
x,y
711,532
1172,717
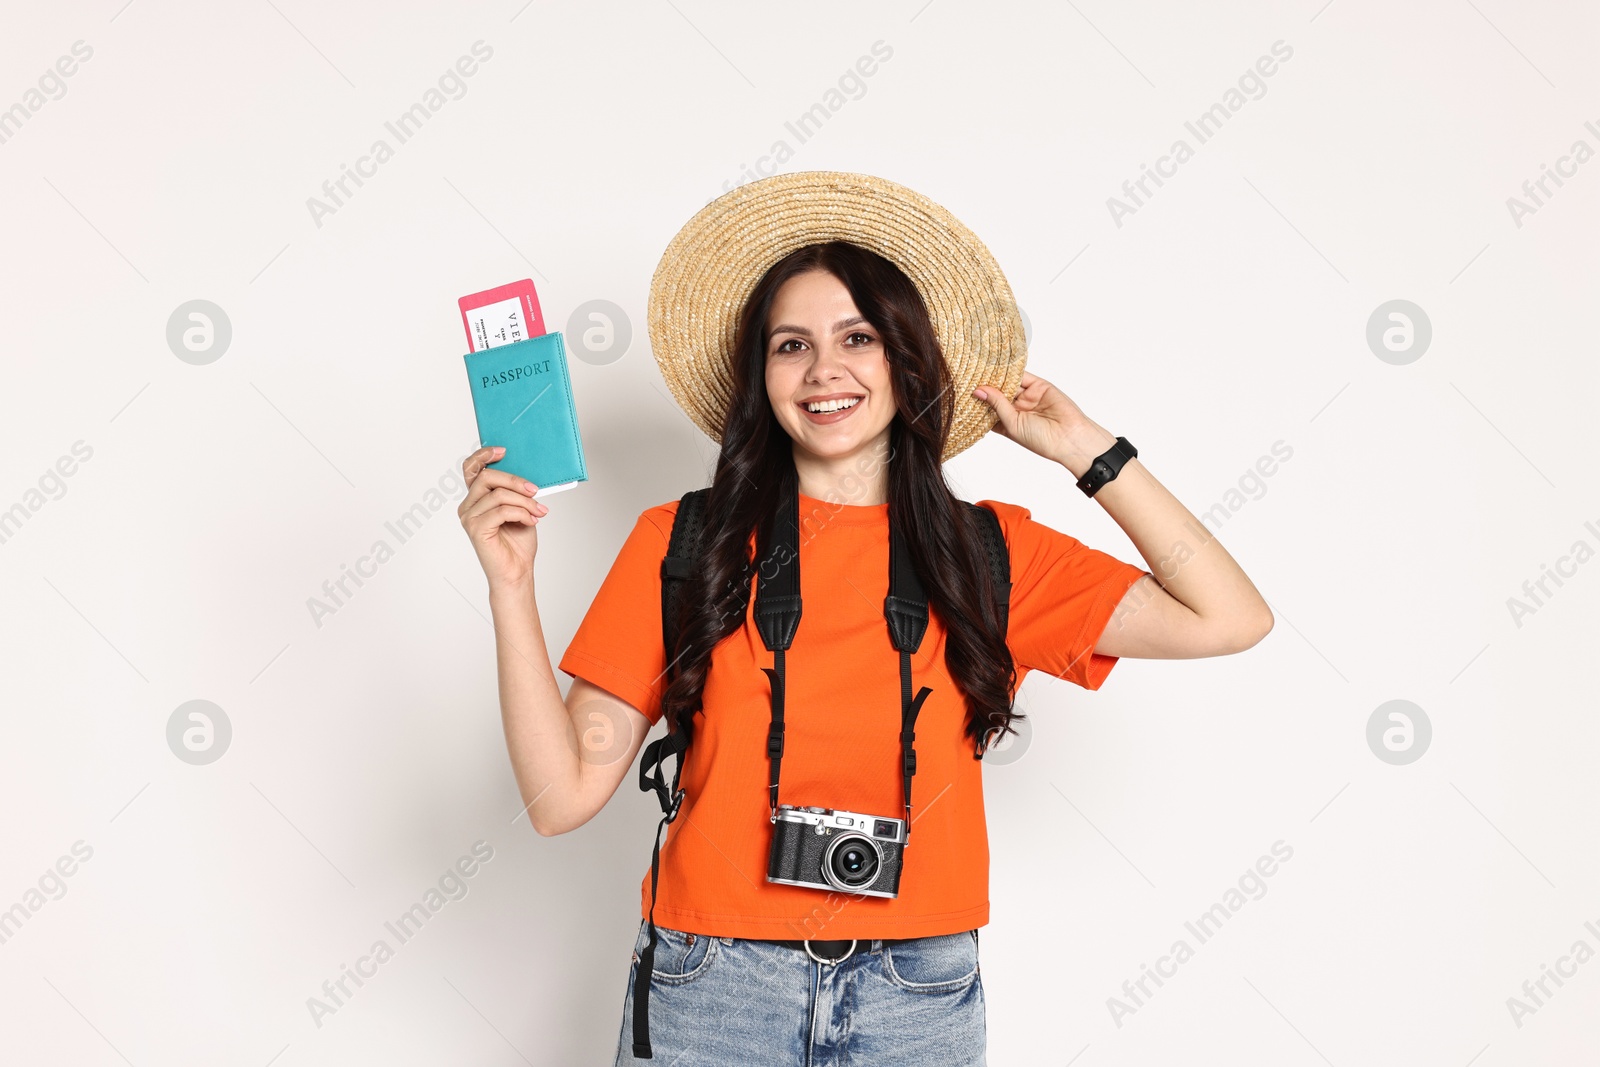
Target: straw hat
x,y
715,261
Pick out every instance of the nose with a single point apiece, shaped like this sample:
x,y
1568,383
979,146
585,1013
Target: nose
x,y
827,364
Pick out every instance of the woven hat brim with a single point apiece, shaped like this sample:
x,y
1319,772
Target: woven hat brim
x,y
713,264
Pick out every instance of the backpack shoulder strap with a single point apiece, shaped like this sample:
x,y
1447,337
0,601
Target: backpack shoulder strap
x,y
994,543
676,567
679,562
999,558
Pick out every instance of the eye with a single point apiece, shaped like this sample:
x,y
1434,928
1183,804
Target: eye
x,y
783,349
868,338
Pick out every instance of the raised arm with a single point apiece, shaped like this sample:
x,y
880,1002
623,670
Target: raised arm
x,y
1200,602
568,755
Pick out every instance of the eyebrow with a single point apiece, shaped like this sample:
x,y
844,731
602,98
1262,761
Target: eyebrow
x,y
841,324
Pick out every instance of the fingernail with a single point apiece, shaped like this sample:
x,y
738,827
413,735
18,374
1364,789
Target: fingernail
x,y
980,394
499,449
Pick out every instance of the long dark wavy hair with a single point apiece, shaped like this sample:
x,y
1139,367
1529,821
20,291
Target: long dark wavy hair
x,y
756,465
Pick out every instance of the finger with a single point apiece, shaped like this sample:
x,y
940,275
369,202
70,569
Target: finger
x,y
502,497
500,516
481,526
478,460
493,479
1035,385
1003,408
488,480
1036,391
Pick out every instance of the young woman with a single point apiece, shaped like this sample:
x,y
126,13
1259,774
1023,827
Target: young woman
x,y
852,373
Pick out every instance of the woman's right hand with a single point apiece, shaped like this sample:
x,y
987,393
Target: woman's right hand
x,y
501,517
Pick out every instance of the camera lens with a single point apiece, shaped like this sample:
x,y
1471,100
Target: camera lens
x,y
851,862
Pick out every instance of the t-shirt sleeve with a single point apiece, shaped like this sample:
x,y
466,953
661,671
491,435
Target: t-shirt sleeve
x,y
618,644
1063,594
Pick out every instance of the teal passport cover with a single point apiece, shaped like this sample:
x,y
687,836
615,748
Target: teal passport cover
x,y
522,396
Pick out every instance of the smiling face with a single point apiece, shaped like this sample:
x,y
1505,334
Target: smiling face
x,y
820,350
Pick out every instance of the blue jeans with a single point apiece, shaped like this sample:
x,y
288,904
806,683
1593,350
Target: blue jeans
x,y
716,1001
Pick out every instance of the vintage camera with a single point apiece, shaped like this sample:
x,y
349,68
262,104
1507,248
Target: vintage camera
x,y
842,850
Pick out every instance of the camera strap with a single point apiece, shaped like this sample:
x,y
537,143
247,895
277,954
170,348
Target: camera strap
x,y
777,617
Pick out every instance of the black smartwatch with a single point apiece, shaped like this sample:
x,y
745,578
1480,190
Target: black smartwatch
x,y
1106,466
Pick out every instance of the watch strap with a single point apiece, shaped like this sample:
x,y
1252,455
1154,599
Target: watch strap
x,y
1106,466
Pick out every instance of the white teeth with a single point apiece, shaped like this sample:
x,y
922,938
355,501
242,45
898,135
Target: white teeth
x,y
824,406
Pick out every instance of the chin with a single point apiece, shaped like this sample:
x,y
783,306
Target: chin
x,y
841,451
836,447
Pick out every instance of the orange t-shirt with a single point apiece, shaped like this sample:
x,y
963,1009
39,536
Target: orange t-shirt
x,y
842,746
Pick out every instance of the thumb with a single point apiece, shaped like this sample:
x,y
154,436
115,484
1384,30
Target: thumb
x,y
1002,406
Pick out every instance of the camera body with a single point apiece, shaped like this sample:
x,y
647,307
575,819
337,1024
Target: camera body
x,y
845,851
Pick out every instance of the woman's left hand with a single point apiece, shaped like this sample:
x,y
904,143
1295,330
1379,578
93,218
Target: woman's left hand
x,y
1043,419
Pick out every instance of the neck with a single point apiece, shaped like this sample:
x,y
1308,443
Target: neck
x,y
859,478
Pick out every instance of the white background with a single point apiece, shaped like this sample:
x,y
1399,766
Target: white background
x,y
1226,314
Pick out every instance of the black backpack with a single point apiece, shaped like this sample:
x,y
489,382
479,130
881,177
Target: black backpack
x,y
676,568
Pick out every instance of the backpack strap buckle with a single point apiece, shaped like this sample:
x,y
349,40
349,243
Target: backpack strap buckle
x,y
652,771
